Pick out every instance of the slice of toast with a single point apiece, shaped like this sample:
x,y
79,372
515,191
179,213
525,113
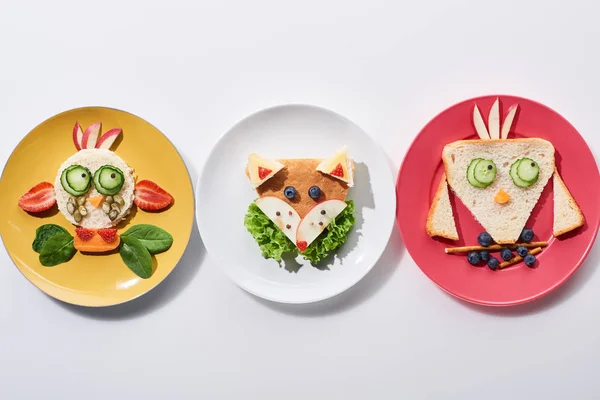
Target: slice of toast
x,y
440,220
567,214
301,173
504,222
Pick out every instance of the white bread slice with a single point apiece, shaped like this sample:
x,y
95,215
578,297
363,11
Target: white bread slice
x,y
567,214
504,222
440,220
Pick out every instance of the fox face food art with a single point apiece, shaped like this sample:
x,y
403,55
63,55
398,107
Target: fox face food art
x,y
303,199
94,190
500,180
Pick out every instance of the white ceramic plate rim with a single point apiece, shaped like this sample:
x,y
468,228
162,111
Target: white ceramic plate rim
x,y
386,227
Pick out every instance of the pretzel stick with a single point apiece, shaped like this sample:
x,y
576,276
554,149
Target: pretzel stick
x,y
494,247
518,258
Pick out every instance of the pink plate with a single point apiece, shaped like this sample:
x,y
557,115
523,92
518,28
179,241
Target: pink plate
x,y
420,175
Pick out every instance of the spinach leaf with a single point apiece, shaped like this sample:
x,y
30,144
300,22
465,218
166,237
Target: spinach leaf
x,y
136,256
45,232
155,239
58,249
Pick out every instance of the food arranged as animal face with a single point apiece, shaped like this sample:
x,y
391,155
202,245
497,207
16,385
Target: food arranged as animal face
x,y
301,196
95,190
499,180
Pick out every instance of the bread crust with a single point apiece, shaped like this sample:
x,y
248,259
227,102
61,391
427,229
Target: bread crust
x,y
436,199
572,202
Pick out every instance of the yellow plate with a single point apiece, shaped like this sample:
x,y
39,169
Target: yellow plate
x,y
93,280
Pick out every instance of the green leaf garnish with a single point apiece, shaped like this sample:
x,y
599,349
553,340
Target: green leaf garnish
x,y
57,249
136,256
45,232
155,239
274,244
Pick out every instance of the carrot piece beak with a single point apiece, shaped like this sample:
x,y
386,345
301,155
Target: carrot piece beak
x,y
501,197
96,201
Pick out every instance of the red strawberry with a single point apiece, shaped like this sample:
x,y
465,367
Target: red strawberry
x,y
263,172
109,235
338,171
84,234
302,246
40,198
151,197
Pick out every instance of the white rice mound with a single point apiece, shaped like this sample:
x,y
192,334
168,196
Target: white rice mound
x,y
93,159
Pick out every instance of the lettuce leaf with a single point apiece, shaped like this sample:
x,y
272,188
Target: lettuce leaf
x,y
274,244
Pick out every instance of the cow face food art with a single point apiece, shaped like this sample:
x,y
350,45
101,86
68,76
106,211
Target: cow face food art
x,y
95,190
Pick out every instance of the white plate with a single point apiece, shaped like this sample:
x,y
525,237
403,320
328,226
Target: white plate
x,y
224,193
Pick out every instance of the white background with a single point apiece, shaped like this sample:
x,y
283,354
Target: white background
x,y
193,69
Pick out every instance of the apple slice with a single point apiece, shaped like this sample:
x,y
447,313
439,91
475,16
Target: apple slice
x,y
494,120
90,136
479,124
508,121
282,214
315,222
77,136
108,138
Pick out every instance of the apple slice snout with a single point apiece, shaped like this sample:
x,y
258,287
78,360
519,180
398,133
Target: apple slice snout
x,y
315,222
77,136
108,138
90,136
282,214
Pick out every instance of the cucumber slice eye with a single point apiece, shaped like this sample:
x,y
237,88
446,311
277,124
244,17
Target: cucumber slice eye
x,y
76,180
108,180
481,173
524,168
528,170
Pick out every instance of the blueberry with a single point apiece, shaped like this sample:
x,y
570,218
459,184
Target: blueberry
x,y
289,192
529,260
484,239
485,255
526,235
493,263
474,258
522,251
506,254
314,192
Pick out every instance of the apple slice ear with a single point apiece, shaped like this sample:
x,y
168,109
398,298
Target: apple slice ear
x,y
77,136
90,136
494,120
108,139
508,121
479,124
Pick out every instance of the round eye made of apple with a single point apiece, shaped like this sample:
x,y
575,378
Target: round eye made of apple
x,y
76,180
108,180
481,172
524,172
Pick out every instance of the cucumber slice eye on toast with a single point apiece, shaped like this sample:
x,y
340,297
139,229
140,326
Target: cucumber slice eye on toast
x,y
76,180
524,172
108,180
481,173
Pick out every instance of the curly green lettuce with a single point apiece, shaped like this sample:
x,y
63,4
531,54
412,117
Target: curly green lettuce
x,y
274,244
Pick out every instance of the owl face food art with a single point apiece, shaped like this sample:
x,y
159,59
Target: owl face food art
x,y
95,190
500,180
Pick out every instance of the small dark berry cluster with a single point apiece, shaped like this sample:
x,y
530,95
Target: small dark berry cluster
x,y
485,239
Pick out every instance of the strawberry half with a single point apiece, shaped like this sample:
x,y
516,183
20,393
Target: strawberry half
x,y
109,235
40,198
84,234
151,197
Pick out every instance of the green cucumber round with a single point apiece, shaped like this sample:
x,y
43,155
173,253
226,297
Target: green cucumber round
x,y
515,176
76,180
108,180
485,172
528,170
471,174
